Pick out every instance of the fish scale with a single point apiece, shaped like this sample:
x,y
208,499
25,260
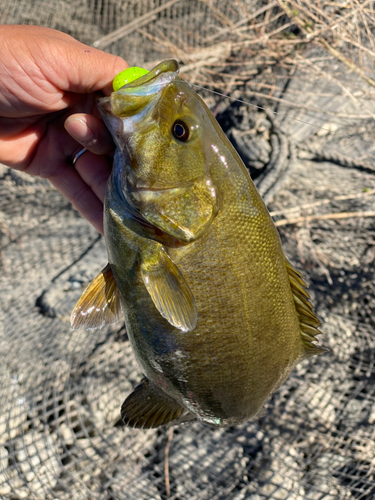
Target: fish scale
x,y
216,316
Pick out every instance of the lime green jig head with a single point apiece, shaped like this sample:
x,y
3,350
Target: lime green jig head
x,y
127,76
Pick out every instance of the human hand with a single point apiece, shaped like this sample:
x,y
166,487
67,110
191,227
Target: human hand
x,y
48,85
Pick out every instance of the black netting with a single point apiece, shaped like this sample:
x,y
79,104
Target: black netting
x,y
309,148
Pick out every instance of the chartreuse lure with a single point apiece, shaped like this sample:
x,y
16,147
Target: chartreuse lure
x,y
127,76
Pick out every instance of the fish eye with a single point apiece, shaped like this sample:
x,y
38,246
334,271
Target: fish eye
x,y
180,131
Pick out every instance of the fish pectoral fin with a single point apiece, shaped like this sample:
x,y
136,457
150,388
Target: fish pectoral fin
x,y
100,303
169,291
148,407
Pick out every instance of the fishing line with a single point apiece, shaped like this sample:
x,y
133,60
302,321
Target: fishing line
x,y
264,109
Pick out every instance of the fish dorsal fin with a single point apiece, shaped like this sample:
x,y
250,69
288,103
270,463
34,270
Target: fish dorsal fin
x,y
148,407
100,303
169,291
309,323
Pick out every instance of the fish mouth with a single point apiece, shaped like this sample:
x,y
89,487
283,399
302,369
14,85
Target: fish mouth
x,y
141,186
145,194
134,98
138,185
154,80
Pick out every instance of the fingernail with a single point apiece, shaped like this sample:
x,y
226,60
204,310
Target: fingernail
x,y
79,130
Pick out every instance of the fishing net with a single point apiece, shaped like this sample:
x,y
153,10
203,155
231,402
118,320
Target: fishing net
x,y
307,136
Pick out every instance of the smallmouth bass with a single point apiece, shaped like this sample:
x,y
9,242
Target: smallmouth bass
x,y
216,315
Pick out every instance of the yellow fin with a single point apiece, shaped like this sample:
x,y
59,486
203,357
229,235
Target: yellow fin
x,y
100,303
313,350
309,323
147,407
169,291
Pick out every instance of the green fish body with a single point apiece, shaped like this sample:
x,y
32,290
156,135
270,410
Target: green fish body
x,y
216,316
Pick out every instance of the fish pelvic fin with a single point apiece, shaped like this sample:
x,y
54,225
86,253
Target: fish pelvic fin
x,y
100,303
169,290
308,321
148,407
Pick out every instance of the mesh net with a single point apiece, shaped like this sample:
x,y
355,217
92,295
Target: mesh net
x,y
306,69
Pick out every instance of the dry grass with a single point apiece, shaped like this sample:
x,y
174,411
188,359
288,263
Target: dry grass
x,y
268,43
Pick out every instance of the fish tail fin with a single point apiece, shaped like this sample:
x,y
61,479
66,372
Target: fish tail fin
x,y
309,323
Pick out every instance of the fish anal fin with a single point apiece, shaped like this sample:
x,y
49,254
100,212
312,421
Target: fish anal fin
x,y
147,407
100,303
169,291
309,323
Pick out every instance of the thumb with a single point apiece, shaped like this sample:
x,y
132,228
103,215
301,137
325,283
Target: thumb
x,y
63,61
88,69
92,70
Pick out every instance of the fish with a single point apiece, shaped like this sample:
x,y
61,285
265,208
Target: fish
x,y
216,315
